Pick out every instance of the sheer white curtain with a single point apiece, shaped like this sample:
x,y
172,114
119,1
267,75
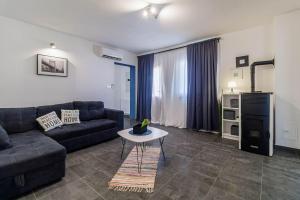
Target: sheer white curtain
x,y
169,93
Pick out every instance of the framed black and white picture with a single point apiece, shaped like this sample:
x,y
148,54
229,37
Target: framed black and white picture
x,y
52,66
242,61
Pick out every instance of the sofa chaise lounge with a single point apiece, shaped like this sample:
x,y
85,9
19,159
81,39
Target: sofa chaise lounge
x,y
37,158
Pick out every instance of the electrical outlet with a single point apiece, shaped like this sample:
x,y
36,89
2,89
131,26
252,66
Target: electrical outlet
x,y
290,134
110,86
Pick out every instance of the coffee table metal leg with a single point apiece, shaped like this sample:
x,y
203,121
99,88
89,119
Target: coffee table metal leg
x,y
142,149
137,157
123,146
161,141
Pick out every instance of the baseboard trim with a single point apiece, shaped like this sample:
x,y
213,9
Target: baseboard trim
x,y
278,147
205,131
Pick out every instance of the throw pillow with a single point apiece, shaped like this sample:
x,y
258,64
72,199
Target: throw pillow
x,y
70,116
4,139
49,121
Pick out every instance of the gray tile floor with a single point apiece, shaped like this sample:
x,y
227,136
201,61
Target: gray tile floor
x,y
198,166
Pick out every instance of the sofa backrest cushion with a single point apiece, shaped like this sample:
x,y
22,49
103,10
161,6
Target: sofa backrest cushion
x,y
90,110
43,110
18,120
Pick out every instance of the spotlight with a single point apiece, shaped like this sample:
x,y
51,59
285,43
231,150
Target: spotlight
x,y
145,13
52,45
153,10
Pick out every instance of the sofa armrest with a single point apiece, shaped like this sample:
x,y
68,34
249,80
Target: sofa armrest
x,y
116,115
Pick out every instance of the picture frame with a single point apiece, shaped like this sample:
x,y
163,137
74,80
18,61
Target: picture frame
x,y
242,61
52,66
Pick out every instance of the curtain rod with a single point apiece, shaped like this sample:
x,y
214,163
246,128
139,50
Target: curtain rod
x,y
178,46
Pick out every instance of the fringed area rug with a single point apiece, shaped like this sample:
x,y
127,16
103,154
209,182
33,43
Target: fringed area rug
x,y
129,179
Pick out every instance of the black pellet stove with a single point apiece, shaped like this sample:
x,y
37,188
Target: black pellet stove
x,y
257,123
257,118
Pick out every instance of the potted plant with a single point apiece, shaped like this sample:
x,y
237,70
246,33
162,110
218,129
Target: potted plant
x,y
141,128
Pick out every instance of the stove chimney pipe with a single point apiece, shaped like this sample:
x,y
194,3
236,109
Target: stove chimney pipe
x,y
252,68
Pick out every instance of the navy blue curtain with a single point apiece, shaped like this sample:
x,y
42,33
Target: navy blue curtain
x,y
145,77
202,111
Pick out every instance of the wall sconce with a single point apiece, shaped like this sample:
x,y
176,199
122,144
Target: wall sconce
x,y
52,45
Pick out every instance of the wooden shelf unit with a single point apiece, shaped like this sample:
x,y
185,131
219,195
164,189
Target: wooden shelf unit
x,y
227,123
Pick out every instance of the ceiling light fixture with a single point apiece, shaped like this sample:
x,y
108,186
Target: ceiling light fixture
x,y
152,10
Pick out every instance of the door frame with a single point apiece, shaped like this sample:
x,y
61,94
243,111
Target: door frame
x,y
132,87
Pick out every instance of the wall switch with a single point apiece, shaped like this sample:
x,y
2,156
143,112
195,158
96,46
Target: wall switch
x,y
235,74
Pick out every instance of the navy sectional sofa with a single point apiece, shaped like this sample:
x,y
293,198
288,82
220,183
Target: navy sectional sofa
x,y
38,158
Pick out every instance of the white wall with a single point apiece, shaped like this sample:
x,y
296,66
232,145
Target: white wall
x,y
280,40
88,78
256,42
287,46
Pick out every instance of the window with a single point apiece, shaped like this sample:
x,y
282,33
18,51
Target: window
x,y
156,82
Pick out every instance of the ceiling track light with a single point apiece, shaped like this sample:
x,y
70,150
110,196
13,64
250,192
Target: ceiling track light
x,y
152,11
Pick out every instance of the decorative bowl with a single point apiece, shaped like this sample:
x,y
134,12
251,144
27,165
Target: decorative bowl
x,y
139,130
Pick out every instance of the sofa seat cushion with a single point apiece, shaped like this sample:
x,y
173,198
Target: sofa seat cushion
x,y
99,124
30,151
77,130
90,110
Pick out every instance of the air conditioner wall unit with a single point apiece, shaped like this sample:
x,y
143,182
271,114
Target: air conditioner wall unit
x,y
108,53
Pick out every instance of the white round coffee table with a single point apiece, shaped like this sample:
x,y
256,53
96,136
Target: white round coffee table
x,y
140,140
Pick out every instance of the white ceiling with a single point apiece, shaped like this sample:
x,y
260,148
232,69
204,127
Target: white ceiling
x,y
120,23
